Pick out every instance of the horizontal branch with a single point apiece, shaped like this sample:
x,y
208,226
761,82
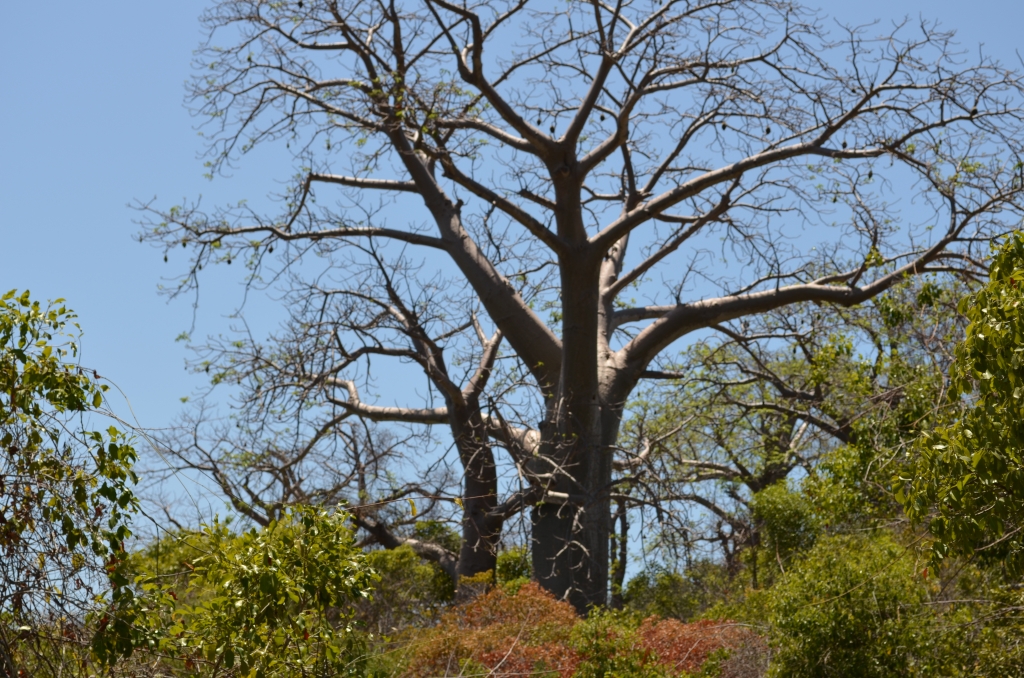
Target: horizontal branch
x,y
410,415
497,133
722,470
672,322
284,233
516,503
838,431
648,445
662,374
358,182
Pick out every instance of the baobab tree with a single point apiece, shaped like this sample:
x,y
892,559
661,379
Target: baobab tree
x,y
484,186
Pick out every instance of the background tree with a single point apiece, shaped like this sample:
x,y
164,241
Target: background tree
x,y
556,158
263,466
837,398
66,499
826,565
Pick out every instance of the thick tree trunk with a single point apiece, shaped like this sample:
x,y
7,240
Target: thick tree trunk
x,y
552,535
481,529
571,537
479,536
571,530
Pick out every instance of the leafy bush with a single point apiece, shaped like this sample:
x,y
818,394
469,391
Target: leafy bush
x,y
677,595
65,498
967,479
409,592
846,608
609,644
270,602
514,567
786,519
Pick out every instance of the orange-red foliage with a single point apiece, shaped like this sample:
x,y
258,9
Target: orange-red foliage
x,y
508,634
528,633
685,647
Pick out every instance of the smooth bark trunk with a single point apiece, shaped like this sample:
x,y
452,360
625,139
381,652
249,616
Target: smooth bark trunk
x,y
619,545
481,529
571,554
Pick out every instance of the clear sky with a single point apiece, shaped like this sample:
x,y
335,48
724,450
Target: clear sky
x,y
91,119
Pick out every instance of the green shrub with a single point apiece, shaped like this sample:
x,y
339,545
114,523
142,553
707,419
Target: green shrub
x,y
610,645
677,595
409,592
847,608
275,602
514,568
786,521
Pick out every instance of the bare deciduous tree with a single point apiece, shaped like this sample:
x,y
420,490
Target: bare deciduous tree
x,y
740,411
467,168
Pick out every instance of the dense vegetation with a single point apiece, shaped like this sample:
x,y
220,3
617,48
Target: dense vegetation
x,y
818,574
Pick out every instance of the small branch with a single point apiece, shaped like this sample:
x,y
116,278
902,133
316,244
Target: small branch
x,y
370,184
483,372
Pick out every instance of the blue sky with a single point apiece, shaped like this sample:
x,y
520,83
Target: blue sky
x,y
91,119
